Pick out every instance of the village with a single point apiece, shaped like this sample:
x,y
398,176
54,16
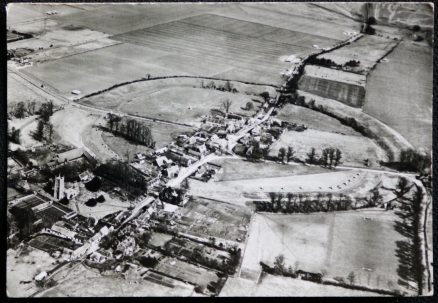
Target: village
x,y
221,183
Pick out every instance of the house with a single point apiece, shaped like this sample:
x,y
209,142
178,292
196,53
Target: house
x,y
162,161
140,156
86,176
172,171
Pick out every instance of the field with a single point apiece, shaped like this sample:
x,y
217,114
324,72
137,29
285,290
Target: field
x,y
349,94
281,287
368,50
207,44
316,71
209,218
77,280
238,169
333,242
405,85
240,192
313,120
354,148
25,267
186,272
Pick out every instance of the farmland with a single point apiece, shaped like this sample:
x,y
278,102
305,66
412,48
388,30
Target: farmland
x,y
313,120
332,242
368,50
284,287
354,148
237,169
410,94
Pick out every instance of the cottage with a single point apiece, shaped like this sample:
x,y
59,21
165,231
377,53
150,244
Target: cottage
x,y
162,161
172,171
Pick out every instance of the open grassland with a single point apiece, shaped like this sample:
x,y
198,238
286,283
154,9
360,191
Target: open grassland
x,y
239,169
399,93
355,149
240,192
332,242
76,281
24,267
313,120
210,218
368,50
275,286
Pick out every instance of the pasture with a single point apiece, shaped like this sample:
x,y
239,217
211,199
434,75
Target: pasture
x,y
313,119
399,93
239,169
355,149
333,242
368,50
275,286
209,218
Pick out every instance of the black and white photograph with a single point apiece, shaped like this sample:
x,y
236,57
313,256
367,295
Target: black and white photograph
x,y
220,149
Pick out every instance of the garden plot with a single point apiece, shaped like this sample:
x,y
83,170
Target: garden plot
x,y
209,218
333,242
355,149
187,272
77,281
399,93
368,50
275,286
313,119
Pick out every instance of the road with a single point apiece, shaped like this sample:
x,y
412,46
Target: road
x,y
137,209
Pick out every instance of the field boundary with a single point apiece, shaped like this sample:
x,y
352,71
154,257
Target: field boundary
x,y
170,77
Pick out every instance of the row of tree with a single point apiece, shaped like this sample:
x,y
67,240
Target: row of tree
x,y
286,155
23,109
227,87
131,129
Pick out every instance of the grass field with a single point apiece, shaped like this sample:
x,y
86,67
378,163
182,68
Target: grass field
x,y
354,148
399,93
274,286
24,268
367,50
209,218
313,120
237,169
240,192
333,242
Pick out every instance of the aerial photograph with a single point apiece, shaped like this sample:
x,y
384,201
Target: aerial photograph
x,y
228,149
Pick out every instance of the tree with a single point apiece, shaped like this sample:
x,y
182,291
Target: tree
x,y
337,156
46,110
14,135
228,87
31,107
20,110
281,154
351,278
375,198
39,132
311,156
324,157
49,131
279,264
402,187
249,105
290,154
226,104
331,156
265,96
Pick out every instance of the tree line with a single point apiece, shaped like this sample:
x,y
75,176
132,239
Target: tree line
x,y
130,129
44,129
